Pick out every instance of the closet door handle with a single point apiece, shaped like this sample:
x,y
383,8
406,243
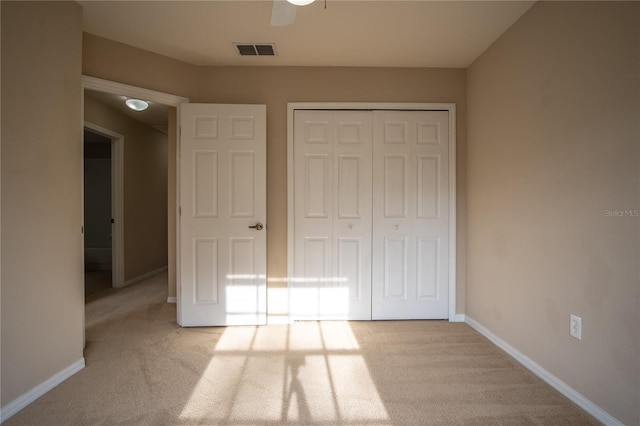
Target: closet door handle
x,y
257,227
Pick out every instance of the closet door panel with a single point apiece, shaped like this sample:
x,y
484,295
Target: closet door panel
x,y
332,191
410,215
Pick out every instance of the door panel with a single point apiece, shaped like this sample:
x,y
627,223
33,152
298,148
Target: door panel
x,y
241,197
222,194
317,182
395,186
395,268
428,186
428,261
349,197
332,207
205,282
410,224
205,183
349,265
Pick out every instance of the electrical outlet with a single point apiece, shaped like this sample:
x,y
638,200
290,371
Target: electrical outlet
x,y
575,327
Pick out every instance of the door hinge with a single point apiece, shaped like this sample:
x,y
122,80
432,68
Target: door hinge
x,y
179,210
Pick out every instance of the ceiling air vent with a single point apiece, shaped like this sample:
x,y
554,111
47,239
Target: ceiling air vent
x,y
262,49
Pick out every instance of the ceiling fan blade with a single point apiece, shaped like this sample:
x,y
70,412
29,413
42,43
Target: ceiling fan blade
x,y
283,13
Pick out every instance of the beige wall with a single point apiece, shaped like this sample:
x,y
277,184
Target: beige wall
x,y
553,144
145,188
119,62
42,294
275,86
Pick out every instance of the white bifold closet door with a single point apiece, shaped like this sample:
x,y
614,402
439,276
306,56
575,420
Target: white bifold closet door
x,y
411,215
371,212
332,191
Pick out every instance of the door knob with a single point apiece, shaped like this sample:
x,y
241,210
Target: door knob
x,y
257,227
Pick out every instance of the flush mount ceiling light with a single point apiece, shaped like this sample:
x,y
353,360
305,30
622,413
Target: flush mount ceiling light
x,y
137,104
284,12
300,2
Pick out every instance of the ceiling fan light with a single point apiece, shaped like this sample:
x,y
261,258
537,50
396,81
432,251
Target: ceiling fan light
x,y
300,2
137,104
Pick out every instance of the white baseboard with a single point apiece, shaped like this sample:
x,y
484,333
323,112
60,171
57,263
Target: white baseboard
x,y
27,398
458,318
575,396
144,276
172,299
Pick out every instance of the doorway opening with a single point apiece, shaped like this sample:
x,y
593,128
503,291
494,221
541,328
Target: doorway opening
x,y
98,218
102,210
113,94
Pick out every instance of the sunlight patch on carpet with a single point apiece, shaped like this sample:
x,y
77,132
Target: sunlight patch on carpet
x,y
308,372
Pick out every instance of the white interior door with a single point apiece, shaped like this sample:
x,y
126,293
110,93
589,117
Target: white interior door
x,y
223,212
332,208
411,215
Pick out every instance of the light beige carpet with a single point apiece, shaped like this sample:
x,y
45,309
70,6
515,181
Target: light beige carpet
x,y
142,369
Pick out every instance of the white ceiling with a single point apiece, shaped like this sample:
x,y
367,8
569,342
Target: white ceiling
x,y
389,33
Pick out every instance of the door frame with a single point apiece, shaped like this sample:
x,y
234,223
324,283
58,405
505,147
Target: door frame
x,y
98,84
359,106
117,201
